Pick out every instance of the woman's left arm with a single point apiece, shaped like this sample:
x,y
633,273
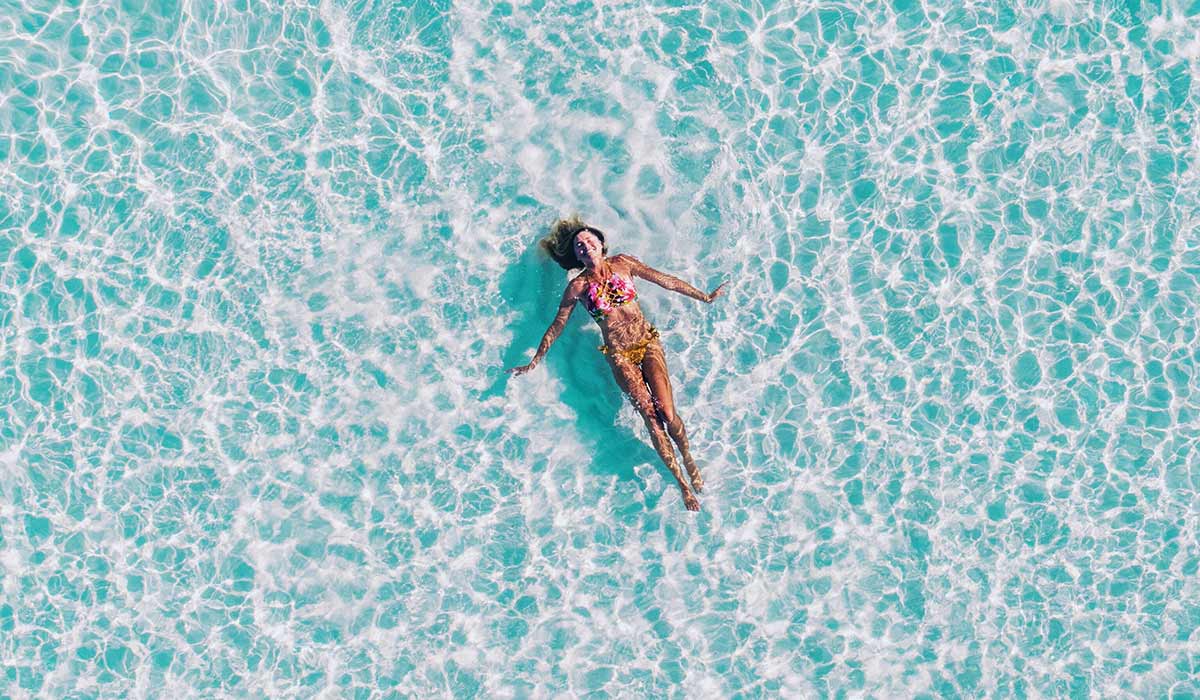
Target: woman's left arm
x,y
662,279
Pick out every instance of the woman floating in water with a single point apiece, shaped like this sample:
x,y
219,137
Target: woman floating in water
x,y
634,352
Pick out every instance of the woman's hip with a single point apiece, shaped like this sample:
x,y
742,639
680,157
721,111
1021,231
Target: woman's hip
x,y
635,351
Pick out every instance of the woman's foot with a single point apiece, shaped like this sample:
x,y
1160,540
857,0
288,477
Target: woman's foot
x,y
690,501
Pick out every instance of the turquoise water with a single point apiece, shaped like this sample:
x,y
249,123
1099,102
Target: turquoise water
x,y
261,266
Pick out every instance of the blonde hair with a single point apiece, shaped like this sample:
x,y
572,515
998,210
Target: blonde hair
x,y
560,243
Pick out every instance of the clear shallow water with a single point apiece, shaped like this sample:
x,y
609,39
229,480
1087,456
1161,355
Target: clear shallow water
x,y
260,267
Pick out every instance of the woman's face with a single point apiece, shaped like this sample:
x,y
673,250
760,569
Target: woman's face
x,y
588,248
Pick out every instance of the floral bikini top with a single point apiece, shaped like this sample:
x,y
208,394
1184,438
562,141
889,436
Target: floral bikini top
x,y
603,298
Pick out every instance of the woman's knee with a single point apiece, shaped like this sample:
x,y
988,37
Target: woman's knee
x,y
646,408
667,415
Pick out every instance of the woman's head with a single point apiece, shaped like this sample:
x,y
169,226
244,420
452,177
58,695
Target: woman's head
x,y
573,244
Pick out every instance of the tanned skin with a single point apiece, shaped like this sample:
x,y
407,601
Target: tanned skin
x,y
646,383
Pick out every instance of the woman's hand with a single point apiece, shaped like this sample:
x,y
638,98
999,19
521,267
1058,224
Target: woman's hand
x,y
518,371
716,292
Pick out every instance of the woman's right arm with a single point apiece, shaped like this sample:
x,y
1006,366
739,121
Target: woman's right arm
x,y
565,307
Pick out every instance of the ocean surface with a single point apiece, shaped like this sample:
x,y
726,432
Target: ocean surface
x,y
262,265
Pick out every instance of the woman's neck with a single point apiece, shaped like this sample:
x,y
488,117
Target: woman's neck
x,y
601,270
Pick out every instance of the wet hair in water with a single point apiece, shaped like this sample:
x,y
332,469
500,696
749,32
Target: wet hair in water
x,y
560,243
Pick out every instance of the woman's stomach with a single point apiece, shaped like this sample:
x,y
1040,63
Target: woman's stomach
x,y
624,326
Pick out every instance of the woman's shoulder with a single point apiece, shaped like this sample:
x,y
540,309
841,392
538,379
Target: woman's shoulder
x,y
625,261
577,284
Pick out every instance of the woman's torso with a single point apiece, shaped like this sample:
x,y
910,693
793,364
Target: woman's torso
x,y
610,298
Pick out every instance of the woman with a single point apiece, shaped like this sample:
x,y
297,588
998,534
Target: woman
x,y
605,288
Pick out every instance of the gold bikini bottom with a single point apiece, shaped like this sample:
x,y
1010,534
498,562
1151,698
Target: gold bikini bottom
x,y
634,353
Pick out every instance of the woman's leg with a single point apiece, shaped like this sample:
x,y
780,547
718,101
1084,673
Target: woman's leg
x,y
654,372
629,378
